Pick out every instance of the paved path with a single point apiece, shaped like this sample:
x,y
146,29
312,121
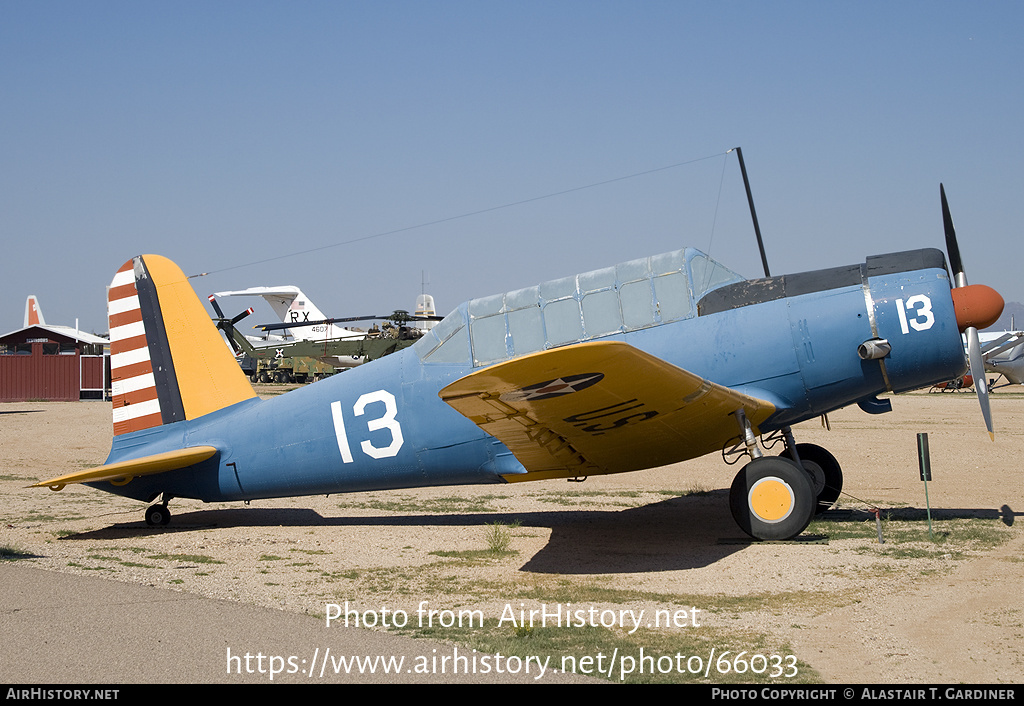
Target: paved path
x,y
68,629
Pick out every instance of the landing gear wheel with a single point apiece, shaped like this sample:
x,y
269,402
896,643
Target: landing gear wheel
x,y
826,474
157,515
771,498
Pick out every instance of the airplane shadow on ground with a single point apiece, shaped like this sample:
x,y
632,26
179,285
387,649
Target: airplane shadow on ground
x,y
679,533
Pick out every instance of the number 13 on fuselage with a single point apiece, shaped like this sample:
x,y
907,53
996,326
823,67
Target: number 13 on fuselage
x,y
920,305
381,412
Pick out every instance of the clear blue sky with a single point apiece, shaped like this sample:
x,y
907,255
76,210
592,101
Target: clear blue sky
x,y
223,133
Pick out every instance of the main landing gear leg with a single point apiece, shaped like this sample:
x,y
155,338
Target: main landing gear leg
x,y
771,497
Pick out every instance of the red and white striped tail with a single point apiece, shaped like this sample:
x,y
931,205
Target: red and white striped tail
x,y
168,363
136,403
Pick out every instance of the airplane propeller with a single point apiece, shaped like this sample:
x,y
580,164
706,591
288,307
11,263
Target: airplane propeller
x,y
977,306
227,325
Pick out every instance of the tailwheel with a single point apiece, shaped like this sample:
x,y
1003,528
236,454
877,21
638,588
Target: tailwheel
x,y
157,514
826,474
771,498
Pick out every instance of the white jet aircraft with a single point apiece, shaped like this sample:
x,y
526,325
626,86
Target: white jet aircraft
x,y
294,307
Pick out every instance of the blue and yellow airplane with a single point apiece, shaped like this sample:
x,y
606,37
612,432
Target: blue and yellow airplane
x,y
647,363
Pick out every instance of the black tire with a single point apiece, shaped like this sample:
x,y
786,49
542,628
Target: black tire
x,y
772,499
157,515
825,471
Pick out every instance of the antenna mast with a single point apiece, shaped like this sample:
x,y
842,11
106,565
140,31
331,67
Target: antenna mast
x,y
753,213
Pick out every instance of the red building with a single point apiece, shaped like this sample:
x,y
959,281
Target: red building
x,y
43,362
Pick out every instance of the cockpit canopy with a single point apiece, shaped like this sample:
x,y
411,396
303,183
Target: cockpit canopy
x,y
633,295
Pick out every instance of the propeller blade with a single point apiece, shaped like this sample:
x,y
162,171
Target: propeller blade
x,y
975,305
1008,341
216,306
241,316
977,363
952,249
228,325
987,347
1003,343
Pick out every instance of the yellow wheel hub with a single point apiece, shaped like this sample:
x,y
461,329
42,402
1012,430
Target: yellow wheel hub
x,y
771,500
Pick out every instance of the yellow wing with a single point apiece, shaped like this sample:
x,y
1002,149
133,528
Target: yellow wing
x,y
123,471
600,407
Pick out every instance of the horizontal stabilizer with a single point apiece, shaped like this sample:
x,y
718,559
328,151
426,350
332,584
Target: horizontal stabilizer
x,y
123,471
600,407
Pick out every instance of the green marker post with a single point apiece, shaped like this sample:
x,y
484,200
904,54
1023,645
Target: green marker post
x,y
924,461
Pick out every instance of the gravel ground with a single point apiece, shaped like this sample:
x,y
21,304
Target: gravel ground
x,y
850,609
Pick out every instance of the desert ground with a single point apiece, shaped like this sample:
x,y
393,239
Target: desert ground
x,y
918,608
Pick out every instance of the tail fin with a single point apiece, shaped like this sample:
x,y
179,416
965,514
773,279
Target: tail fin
x,y
167,360
287,301
425,307
291,306
33,314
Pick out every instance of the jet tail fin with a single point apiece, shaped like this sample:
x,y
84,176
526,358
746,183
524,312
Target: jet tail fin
x,y
33,314
167,360
287,301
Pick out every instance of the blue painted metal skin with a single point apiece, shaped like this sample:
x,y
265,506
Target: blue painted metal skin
x,y
788,340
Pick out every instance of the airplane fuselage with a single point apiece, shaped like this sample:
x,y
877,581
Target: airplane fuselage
x,y
792,341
